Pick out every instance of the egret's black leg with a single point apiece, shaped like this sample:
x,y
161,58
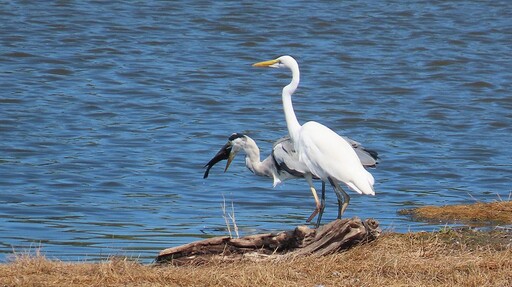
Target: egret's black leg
x,y
340,205
322,202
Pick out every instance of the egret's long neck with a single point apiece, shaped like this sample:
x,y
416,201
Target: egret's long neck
x,y
289,113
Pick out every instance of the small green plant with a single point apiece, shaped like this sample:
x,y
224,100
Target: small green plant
x,y
446,230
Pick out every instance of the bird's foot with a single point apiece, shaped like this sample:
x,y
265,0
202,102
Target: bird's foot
x,y
318,210
312,216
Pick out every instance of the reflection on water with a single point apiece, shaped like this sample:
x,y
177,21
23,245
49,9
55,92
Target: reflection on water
x,y
109,111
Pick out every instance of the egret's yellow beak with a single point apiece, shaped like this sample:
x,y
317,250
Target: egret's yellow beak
x,y
265,63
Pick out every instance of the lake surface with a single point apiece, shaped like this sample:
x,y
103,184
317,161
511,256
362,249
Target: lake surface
x,y
109,111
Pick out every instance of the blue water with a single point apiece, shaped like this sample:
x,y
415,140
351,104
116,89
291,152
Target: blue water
x,y
108,112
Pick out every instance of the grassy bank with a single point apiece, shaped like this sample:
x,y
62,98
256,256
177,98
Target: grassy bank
x,y
449,257
477,214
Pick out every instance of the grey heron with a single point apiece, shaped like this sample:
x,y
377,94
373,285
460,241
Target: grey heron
x,y
282,163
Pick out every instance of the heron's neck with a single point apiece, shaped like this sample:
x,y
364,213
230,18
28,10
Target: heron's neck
x,y
252,158
289,113
258,167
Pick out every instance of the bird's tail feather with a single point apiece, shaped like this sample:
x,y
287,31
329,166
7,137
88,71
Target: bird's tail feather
x,y
363,186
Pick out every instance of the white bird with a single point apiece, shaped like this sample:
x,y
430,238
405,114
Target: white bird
x,y
283,162
325,153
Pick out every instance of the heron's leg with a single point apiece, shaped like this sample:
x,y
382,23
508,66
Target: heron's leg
x,y
309,179
339,196
322,202
343,197
346,198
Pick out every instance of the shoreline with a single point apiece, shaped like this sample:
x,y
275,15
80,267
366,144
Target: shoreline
x,y
463,256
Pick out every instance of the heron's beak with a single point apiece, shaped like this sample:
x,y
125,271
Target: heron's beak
x,y
224,153
269,63
230,159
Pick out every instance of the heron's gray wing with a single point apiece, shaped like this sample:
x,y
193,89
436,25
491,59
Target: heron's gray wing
x,y
287,159
368,158
286,138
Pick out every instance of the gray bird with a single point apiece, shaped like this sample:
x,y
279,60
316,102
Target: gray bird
x,y
282,164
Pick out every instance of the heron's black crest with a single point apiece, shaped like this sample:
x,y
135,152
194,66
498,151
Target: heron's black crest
x,y
236,136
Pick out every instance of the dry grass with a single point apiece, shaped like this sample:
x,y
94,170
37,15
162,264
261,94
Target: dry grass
x,y
445,258
480,213
448,257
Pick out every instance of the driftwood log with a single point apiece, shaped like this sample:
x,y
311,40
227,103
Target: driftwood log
x,y
333,237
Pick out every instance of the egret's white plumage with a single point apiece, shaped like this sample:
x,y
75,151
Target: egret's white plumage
x,y
324,152
328,155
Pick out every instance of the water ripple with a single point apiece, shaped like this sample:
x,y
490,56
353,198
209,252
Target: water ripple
x,y
110,110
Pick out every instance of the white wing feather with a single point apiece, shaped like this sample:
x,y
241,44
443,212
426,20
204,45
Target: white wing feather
x,y
318,146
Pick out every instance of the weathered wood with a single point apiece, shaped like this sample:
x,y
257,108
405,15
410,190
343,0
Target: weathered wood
x,y
336,236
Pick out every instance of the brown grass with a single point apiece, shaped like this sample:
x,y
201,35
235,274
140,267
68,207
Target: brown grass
x,y
444,258
480,213
449,257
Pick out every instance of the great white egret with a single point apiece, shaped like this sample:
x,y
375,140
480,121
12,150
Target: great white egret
x,y
325,153
282,163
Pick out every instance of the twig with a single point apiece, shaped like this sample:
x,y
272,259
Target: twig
x,y
232,217
472,197
223,206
